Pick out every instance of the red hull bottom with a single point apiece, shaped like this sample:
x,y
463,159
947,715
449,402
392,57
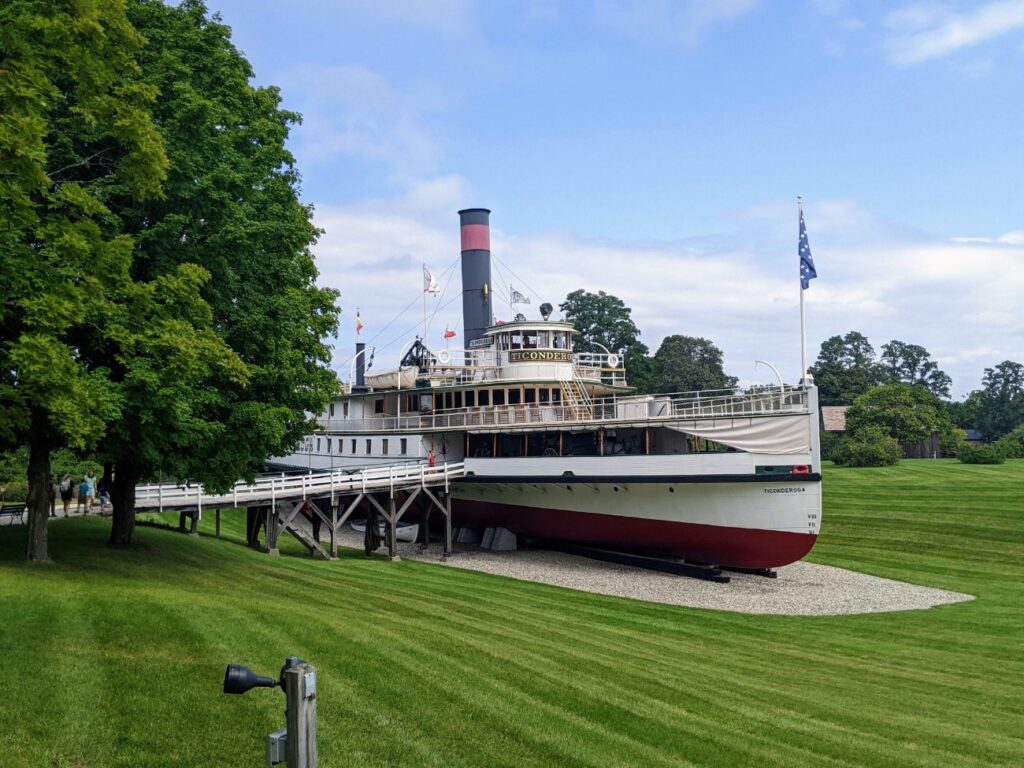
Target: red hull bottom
x,y
719,545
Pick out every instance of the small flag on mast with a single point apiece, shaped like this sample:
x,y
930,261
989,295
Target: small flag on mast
x,y
515,297
807,270
449,333
359,323
429,282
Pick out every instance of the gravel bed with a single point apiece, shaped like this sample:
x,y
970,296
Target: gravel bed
x,y
801,589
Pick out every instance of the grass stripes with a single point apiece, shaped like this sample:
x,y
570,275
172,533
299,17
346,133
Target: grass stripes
x,y
115,658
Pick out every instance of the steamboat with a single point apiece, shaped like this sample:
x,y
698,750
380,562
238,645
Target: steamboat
x,y
556,444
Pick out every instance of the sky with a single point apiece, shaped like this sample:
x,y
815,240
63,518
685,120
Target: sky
x,y
655,150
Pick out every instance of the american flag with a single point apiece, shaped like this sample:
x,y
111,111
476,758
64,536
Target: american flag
x,y
807,270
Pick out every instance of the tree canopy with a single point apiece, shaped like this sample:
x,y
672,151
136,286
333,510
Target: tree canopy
x,y
1001,402
912,364
845,369
605,319
907,413
76,131
689,364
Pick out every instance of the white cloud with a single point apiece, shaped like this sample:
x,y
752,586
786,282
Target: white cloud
x,y
666,21
921,32
958,299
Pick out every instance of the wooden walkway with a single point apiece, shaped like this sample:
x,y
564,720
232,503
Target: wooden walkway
x,y
298,503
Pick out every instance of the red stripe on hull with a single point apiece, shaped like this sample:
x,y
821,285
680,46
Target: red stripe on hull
x,y
732,547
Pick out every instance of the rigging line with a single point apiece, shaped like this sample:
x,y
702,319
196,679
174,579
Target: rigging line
x,y
391,322
536,294
444,290
414,327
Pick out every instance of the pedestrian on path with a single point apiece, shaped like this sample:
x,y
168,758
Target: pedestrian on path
x,y
83,494
52,493
66,492
90,483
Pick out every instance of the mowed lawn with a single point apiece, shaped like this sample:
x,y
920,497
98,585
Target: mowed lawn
x,y
111,658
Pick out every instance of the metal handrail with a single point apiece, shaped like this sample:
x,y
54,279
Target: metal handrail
x,y
393,477
685,406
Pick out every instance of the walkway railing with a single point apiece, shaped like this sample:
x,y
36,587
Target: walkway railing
x,y
270,490
685,406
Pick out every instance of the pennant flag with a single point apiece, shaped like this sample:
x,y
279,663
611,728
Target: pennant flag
x,y
807,270
359,323
515,297
449,333
429,281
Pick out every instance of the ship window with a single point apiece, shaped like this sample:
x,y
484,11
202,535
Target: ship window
x,y
517,341
530,395
556,395
331,412
378,405
470,399
458,399
499,397
403,446
411,404
384,447
353,447
513,397
448,400
328,445
544,339
344,409
530,341
439,402
544,395
485,397
318,445
341,445
368,444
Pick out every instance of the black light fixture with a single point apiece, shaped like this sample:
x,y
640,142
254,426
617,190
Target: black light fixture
x,y
238,678
546,310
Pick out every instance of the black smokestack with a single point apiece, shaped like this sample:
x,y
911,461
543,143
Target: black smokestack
x,y
476,272
360,366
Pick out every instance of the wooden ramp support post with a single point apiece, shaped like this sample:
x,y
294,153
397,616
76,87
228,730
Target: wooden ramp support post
x,y
300,694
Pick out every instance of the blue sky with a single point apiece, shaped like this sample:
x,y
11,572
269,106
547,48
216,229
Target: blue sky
x,y
654,150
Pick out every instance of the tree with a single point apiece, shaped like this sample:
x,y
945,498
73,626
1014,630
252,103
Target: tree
x,y
845,369
689,364
604,319
907,413
912,364
76,130
231,205
964,413
1001,406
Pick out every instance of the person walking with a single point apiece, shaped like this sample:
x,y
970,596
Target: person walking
x,y
90,487
83,494
66,493
52,493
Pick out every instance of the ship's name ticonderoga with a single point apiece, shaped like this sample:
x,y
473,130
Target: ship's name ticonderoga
x,y
785,490
539,356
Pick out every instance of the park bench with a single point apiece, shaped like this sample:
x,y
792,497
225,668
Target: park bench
x,y
13,513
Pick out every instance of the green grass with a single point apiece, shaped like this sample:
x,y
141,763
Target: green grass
x,y
111,658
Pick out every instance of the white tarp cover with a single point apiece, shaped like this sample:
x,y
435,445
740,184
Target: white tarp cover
x,y
774,434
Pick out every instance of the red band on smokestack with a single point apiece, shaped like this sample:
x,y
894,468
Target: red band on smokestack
x,y
476,237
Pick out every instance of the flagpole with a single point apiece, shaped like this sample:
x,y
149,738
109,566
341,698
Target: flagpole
x,y
425,306
803,314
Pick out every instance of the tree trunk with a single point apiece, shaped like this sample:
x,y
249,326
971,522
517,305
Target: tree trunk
x,y
38,488
122,528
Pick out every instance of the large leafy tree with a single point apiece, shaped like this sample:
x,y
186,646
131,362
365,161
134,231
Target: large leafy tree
x,y
230,205
845,369
75,131
605,319
688,364
1001,403
912,364
908,413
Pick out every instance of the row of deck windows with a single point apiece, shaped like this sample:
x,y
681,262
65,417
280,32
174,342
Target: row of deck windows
x,y
502,396
385,445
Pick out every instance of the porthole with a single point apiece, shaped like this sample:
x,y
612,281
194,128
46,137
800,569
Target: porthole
x,y
671,489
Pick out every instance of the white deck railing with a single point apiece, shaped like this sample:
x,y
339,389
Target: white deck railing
x,y
271,489
684,406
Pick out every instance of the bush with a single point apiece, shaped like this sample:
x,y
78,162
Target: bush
x,y
982,454
831,445
1012,443
870,447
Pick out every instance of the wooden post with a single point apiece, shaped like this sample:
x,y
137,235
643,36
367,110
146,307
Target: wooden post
x,y
392,533
218,522
647,440
600,437
494,446
300,694
561,437
448,525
